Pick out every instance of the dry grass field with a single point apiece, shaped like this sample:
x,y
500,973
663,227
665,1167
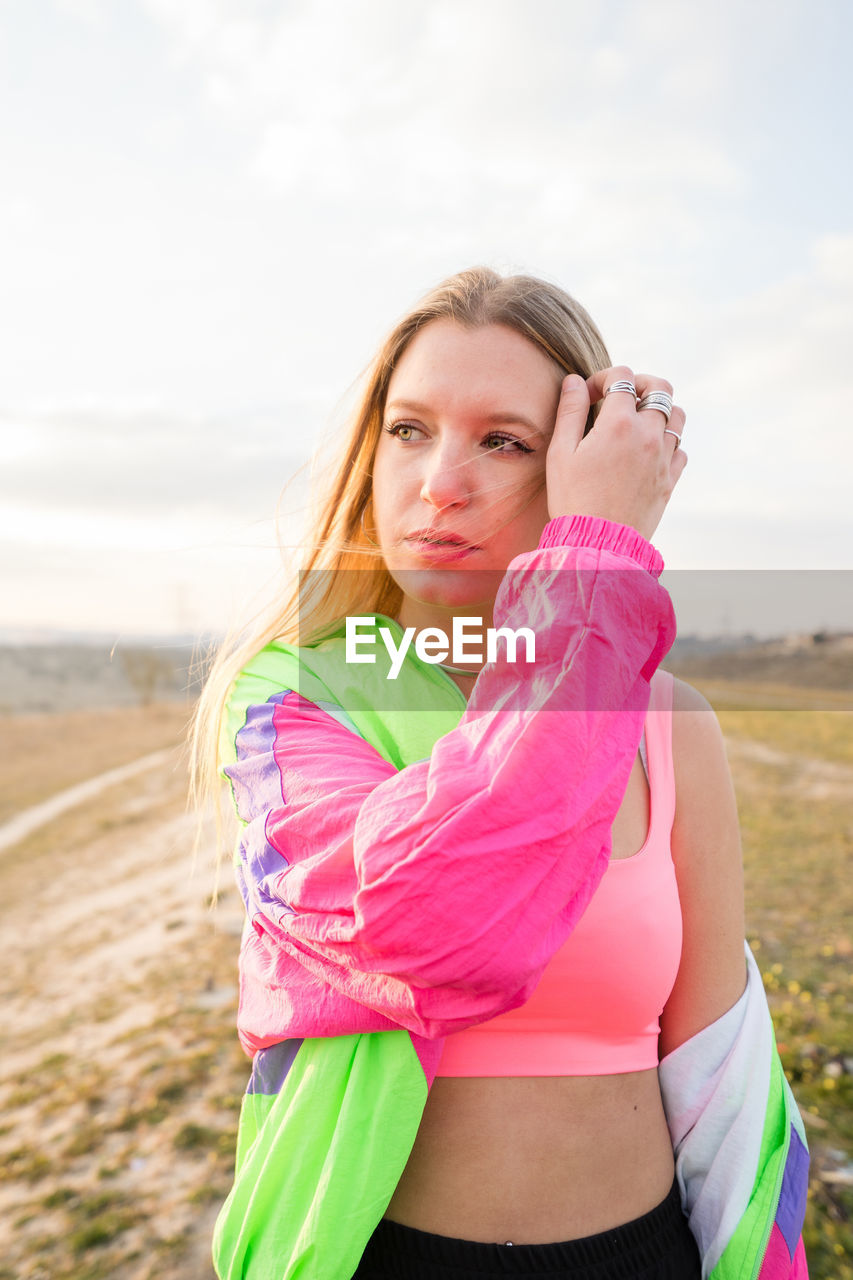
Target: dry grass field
x,y
793,771
120,1074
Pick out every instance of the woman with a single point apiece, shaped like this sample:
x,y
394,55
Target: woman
x,y
478,920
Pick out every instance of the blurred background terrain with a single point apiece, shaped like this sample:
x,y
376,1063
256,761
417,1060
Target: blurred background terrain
x,y
121,1074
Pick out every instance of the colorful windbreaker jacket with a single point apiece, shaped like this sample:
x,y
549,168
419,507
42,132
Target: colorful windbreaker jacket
x,y
410,863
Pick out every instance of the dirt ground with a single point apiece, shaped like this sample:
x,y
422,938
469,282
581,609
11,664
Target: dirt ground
x,y
120,1075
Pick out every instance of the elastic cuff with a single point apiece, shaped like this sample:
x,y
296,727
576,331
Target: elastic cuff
x,y
603,535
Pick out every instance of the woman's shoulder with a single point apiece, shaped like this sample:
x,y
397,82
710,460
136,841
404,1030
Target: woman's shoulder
x,y
271,669
686,697
283,665
706,835
263,681
703,782
697,736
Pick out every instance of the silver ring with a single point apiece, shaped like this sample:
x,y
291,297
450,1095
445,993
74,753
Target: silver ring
x,y
660,400
669,432
622,385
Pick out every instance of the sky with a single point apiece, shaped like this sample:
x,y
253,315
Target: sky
x,y
213,210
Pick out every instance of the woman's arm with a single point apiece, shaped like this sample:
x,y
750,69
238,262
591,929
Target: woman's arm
x,y
435,895
707,854
741,1157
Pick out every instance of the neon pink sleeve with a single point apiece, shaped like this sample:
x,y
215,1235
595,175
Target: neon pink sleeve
x,y
434,896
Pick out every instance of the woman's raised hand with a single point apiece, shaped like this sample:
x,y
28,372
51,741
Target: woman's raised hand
x,y
626,468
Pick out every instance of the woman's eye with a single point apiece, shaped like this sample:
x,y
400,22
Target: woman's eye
x,y
495,442
402,430
498,443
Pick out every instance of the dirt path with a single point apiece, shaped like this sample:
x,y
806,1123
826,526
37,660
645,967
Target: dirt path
x,y
121,1078
23,824
811,779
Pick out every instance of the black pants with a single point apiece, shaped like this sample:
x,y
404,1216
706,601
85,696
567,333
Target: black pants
x,y
657,1246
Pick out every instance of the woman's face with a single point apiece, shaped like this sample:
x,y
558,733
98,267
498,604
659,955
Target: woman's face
x,y
459,471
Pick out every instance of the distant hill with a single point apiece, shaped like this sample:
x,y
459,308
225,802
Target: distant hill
x,y
822,660
67,676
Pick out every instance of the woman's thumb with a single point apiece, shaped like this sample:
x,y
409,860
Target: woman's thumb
x,y
572,410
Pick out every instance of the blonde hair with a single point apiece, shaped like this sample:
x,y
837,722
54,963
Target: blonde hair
x,y
539,311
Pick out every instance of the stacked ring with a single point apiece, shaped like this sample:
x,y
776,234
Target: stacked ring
x,y
659,400
622,385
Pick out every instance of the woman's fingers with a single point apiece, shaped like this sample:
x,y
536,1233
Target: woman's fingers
x,y
618,382
647,382
674,429
677,465
598,383
654,395
622,382
628,464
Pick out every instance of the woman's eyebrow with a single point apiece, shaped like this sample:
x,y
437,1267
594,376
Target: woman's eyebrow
x,y
501,417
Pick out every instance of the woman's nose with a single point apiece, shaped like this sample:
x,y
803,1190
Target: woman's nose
x,y
448,480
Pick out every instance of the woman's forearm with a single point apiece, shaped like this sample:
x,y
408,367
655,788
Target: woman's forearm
x,y
435,895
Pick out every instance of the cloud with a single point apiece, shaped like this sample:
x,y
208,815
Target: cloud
x,y
518,122
141,465
142,590
221,204
769,377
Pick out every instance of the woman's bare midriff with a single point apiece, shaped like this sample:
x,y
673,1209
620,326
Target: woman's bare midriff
x,y
541,1158
536,1159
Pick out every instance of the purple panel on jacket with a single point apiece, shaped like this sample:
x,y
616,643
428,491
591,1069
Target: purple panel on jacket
x,y
250,776
792,1197
255,774
270,1067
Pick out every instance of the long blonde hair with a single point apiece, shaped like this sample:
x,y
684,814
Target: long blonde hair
x,y
338,539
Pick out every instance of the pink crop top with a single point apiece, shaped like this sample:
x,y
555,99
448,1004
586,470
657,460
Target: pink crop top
x,y
596,1010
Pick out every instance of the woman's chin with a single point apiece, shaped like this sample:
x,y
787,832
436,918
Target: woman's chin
x,y
469,589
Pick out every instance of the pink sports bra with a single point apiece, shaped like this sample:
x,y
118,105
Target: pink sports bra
x,y
596,1010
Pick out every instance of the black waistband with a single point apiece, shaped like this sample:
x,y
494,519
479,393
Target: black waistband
x,y
639,1243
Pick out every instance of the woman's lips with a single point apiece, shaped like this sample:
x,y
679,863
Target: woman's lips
x,y
439,547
